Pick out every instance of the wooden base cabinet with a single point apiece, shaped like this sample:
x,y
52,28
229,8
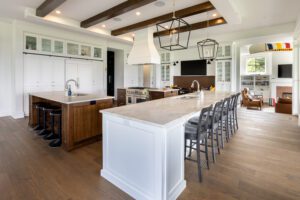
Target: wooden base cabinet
x,y
162,94
81,122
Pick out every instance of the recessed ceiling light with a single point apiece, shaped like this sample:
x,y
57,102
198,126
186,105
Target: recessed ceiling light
x,y
132,34
214,15
159,4
57,12
138,13
103,25
166,27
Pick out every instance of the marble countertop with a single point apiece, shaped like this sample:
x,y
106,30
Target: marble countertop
x,y
163,112
61,98
162,90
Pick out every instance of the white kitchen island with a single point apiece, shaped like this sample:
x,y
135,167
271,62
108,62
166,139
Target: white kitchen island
x,y
143,145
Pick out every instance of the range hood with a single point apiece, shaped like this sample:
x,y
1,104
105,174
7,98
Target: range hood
x,y
143,50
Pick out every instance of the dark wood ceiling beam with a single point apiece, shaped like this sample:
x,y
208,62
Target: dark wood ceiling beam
x,y
47,7
186,12
196,26
114,11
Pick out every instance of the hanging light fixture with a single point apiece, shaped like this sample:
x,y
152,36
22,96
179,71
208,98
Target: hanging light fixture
x,y
208,48
173,34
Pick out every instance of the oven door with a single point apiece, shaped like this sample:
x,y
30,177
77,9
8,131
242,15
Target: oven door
x,y
140,99
130,99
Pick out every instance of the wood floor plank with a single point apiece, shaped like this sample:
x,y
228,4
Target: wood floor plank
x,y
261,161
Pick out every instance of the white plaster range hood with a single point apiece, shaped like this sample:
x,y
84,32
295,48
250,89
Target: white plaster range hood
x,y
143,50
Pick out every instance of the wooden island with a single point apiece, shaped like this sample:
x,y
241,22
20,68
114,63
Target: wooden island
x,y
81,121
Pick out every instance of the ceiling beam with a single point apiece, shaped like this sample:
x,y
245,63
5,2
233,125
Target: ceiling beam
x,y
47,7
186,12
196,26
114,11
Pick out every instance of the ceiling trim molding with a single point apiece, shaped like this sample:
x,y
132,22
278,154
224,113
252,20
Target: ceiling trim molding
x,y
114,11
195,26
47,7
228,10
186,12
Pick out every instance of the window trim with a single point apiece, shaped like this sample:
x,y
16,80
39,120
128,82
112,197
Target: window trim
x,y
256,57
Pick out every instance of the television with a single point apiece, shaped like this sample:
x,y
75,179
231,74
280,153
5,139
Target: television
x,y
285,71
193,67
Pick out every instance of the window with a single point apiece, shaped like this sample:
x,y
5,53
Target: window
x,y
256,65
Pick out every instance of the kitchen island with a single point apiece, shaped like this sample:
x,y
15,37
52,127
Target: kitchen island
x,y
143,144
81,121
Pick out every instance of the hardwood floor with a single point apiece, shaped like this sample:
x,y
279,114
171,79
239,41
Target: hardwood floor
x,y
262,161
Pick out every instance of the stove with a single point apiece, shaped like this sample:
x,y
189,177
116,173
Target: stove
x,y
137,95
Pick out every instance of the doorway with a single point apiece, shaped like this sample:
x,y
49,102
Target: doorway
x,y
111,73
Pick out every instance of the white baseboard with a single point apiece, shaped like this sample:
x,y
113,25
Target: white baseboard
x,y
18,115
4,114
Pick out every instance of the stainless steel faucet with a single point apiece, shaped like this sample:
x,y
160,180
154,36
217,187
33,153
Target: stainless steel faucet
x,y
198,85
71,80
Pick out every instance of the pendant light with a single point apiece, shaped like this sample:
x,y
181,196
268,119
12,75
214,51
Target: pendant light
x,y
173,34
208,48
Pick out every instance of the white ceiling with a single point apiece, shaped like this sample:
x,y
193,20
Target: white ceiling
x,y
254,13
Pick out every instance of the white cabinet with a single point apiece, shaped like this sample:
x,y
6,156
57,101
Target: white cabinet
x,y
97,53
31,43
88,74
223,75
224,51
42,73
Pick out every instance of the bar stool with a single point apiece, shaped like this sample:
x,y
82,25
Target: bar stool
x,y
38,107
45,110
225,119
213,127
58,140
52,134
197,135
235,110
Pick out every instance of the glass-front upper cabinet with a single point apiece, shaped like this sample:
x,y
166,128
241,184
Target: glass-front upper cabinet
x,y
86,50
46,45
31,42
98,53
58,47
72,49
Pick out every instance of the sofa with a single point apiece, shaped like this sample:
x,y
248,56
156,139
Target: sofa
x,y
284,105
249,101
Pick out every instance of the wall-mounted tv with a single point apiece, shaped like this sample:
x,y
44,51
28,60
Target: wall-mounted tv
x,y
193,67
285,71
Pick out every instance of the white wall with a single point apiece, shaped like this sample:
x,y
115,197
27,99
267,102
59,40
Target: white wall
x,y
5,67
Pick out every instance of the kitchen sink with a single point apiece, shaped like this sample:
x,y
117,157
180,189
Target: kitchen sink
x,y
79,95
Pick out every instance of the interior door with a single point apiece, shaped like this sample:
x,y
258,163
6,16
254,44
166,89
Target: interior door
x,y
110,73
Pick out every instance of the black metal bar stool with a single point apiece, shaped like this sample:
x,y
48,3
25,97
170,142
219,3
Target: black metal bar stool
x,y
38,107
56,142
46,109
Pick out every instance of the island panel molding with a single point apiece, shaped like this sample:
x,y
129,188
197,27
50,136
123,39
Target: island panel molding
x,y
186,12
114,12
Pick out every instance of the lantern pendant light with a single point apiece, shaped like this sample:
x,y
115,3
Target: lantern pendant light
x,y
208,48
170,34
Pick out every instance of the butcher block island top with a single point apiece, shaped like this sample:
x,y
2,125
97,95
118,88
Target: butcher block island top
x,y
60,97
163,112
81,120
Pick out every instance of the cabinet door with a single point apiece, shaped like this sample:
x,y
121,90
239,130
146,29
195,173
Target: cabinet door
x,y
98,76
72,49
98,53
163,73
31,42
227,51
168,56
85,50
219,71
167,72
227,71
85,77
58,71
46,45
71,71
220,52
162,58
58,47
31,71
46,71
